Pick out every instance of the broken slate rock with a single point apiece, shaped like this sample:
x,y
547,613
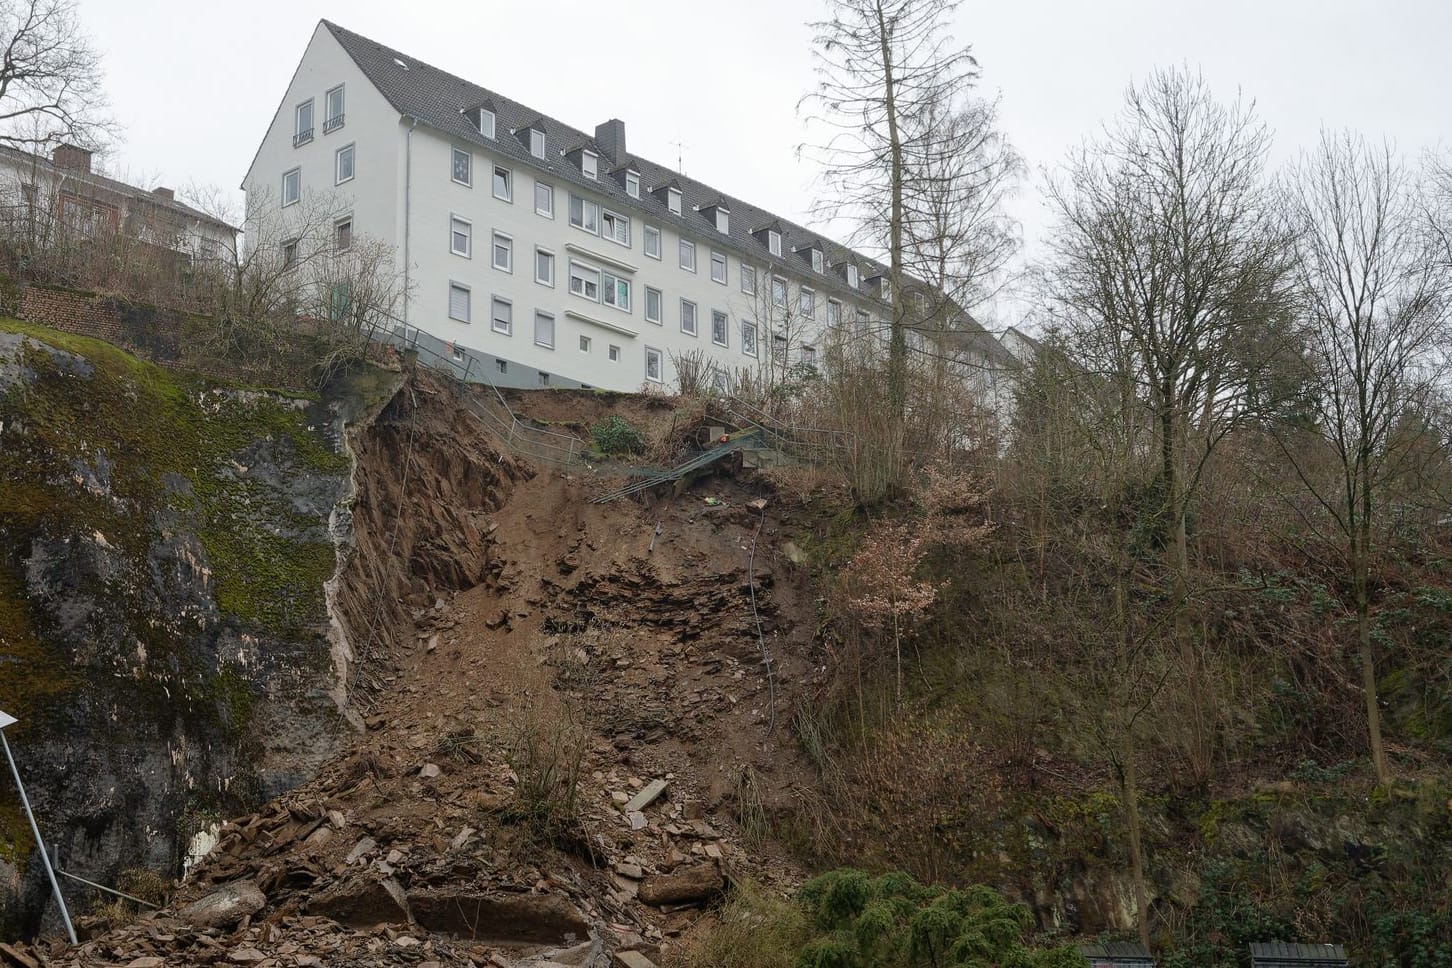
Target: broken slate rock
x,y
225,906
632,959
647,796
364,846
363,902
637,820
501,919
686,885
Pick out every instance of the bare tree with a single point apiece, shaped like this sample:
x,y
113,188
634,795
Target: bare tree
x,y
51,86
1375,288
889,73
1166,260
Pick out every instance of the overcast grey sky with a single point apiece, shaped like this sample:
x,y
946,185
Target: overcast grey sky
x,y
194,84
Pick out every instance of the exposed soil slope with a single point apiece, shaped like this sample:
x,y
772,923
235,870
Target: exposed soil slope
x,y
509,634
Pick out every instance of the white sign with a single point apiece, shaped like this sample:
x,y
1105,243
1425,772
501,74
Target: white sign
x,y
6,719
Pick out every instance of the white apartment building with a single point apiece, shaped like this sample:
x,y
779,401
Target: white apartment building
x,y
555,255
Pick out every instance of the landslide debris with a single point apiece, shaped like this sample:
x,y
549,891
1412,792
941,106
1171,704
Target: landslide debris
x,y
561,701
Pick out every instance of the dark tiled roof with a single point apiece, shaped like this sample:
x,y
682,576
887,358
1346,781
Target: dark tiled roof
x,y
436,97
113,185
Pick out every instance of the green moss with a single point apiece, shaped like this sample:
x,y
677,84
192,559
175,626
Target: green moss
x,y
130,446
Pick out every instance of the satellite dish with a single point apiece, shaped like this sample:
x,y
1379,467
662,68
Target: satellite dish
x,y
6,719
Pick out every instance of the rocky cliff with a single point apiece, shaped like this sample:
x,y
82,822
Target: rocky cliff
x,y
165,635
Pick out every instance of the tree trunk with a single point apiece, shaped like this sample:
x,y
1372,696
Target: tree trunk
x,y
897,344
1368,666
1129,787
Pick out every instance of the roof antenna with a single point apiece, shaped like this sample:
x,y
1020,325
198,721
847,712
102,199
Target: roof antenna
x,y
680,145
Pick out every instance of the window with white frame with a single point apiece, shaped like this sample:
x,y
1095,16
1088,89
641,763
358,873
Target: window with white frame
x,y
720,326
585,281
807,302
544,199
688,255
834,312
778,346
852,276
503,183
654,365
864,320
502,365
632,184
501,315
614,353
589,164
887,290
614,227
544,329
461,237
289,253
536,142
503,252
719,381
723,221
484,121
615,291
333,109
584,214
459,302
457,354
653,304
688,317
463,167
778,292
718,267
809,355
748,279
652,241
343,234
585,344
773,242
748,339
544,378
343,165
544,267
302,130
673,200
291,186
816,260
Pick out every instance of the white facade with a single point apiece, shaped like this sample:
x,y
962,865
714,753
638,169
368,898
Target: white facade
x,y
492,269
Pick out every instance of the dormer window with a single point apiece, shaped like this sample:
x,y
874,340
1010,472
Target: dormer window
x,y
632,184
673,200
773,242
887,290
816,260
481,119
852,276
589,164
723,221
536,142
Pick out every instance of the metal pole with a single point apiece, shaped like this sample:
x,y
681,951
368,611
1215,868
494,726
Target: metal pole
x,y
103,887
39,844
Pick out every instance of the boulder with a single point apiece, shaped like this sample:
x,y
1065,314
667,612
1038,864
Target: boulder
x,y
685,885
363,902
225,906
501,919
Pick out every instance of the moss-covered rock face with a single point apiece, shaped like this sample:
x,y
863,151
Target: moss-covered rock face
x,y
163,546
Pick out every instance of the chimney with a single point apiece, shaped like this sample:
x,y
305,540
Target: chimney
x,y
165,193
72,158
610,136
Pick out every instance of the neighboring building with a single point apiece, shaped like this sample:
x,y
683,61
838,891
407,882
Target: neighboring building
x,y
58,200
556,254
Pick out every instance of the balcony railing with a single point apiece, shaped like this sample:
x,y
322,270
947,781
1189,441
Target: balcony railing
x,y
332,124
302,137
